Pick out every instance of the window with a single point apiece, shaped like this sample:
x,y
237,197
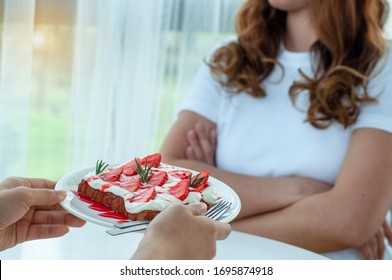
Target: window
x,y
73,65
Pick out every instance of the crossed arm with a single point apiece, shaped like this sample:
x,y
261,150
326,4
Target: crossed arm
x,y
302,211
258,194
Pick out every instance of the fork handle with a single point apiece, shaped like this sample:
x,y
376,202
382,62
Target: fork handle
x,y
119,231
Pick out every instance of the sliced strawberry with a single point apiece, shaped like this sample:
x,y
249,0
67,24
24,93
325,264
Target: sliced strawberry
x,y
145,196
112,175
181,174
130,167
204,175
154,159
132,184
145,186
158,179
180,190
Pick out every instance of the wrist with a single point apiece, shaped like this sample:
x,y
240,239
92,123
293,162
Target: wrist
x,y
152,249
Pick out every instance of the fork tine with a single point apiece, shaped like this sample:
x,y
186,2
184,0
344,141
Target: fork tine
x,y
222,212
215,207
218,211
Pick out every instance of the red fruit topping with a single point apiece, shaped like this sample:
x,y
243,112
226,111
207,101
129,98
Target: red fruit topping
x,y
130,168
154,159
145,196
204,175
158,179
131,184
144,187
181,174
180,190
112,175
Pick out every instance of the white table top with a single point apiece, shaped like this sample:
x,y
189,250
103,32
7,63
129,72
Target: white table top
x,y
92,243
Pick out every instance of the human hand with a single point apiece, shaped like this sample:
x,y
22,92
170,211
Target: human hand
x,y
374,249
387,231
182,232
202,144
29,210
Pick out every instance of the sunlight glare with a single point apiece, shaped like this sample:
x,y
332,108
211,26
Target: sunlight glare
x,y
38,39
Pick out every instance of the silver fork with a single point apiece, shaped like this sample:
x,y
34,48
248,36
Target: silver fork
x,y
215,212
218,210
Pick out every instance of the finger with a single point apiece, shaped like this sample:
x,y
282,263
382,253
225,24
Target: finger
x,y
373,248
213,141
56,207
29,182
213,138
46,231
42,197
40,183
13,182
366,252
387,231
204,141
194,143
380,244
223,230
57,218
197,209
189,153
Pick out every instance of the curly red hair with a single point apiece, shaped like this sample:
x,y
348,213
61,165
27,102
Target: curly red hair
x,y
350,44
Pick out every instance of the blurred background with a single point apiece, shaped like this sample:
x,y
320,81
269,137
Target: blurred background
x,y
87,80
82,80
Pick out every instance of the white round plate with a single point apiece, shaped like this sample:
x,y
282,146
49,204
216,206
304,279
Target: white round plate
x,y
81,209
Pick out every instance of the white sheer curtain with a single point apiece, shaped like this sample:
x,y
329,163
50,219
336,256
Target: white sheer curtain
x,y
16,63
134,61
100,81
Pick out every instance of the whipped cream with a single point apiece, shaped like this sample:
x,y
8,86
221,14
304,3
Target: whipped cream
x,y
163,197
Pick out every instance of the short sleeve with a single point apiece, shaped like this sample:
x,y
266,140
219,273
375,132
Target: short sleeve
x,y
379,115
204,97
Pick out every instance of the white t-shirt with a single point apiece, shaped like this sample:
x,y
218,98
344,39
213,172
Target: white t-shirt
x,y
269,136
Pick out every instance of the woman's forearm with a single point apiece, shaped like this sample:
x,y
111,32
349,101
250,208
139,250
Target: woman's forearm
x,y
316,223
259,194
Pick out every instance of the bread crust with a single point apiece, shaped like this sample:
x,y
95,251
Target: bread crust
x,y
114,202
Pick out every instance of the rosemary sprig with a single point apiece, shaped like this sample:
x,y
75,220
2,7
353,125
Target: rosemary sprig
x,y
144,172
193,183
100,166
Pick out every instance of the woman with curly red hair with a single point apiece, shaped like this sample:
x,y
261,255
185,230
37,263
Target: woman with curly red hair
x,y
294,114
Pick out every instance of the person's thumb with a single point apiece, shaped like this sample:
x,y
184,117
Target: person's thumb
x,y
197,209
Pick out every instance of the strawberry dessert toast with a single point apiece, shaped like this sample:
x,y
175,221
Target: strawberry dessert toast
x,y
142,188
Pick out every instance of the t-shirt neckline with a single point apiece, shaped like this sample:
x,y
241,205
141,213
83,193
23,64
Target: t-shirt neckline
x,y
295,59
